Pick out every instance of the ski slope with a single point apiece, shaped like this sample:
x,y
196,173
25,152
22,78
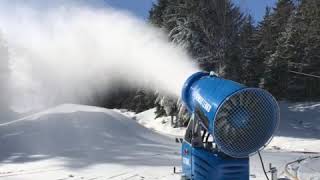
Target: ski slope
x,y
82,142
71,142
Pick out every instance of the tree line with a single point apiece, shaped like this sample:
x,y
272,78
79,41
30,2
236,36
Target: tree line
x,y
281,53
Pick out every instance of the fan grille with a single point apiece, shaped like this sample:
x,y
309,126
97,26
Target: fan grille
x,y
245,122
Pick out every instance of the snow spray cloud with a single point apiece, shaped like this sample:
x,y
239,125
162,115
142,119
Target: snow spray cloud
x,y
64,54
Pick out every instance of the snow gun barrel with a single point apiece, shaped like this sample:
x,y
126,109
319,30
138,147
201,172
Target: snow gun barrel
x,y
241,119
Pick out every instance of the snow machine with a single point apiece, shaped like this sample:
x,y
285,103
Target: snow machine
x,y
230,122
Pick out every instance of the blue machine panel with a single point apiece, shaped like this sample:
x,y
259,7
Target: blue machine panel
x,y
214,166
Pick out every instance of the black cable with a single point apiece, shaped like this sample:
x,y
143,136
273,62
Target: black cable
x,y
262,164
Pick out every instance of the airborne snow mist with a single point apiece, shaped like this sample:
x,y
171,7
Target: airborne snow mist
x,y
67,54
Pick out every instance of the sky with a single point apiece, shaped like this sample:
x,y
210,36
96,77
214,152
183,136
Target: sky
x,y
141,8
255,7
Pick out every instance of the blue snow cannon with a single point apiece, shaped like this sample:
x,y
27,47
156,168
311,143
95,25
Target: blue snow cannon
x,y
229,123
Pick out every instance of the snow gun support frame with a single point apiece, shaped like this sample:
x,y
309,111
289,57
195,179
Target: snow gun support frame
x,y
229,123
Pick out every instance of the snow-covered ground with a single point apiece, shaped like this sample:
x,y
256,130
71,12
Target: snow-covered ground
x,y
161,125
82,142
298,134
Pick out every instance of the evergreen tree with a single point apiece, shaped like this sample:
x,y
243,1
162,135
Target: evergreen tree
x,y
279,19
251,66
167,106
284,56
160,112
305,42
297,53
156,14
142,101
276,72
263,37
232,63
205,28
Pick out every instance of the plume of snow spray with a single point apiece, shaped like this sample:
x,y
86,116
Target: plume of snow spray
x,y
63,55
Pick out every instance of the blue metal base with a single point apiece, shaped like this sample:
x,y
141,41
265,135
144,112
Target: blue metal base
x,y
208,165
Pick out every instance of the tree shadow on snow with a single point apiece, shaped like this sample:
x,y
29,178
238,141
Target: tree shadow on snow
x,y
300,120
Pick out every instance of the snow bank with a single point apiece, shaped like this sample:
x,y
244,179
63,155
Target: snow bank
x,y
162,124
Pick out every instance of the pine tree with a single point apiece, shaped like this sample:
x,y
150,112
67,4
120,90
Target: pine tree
x,y
251,65
142,101
156,14
167,106
276,72
207,29
297,52
264,37
220,22
233,20
286,57
160,112
279,18
306,40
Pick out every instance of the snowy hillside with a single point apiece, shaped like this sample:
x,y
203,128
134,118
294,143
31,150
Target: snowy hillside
x,y
82,142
